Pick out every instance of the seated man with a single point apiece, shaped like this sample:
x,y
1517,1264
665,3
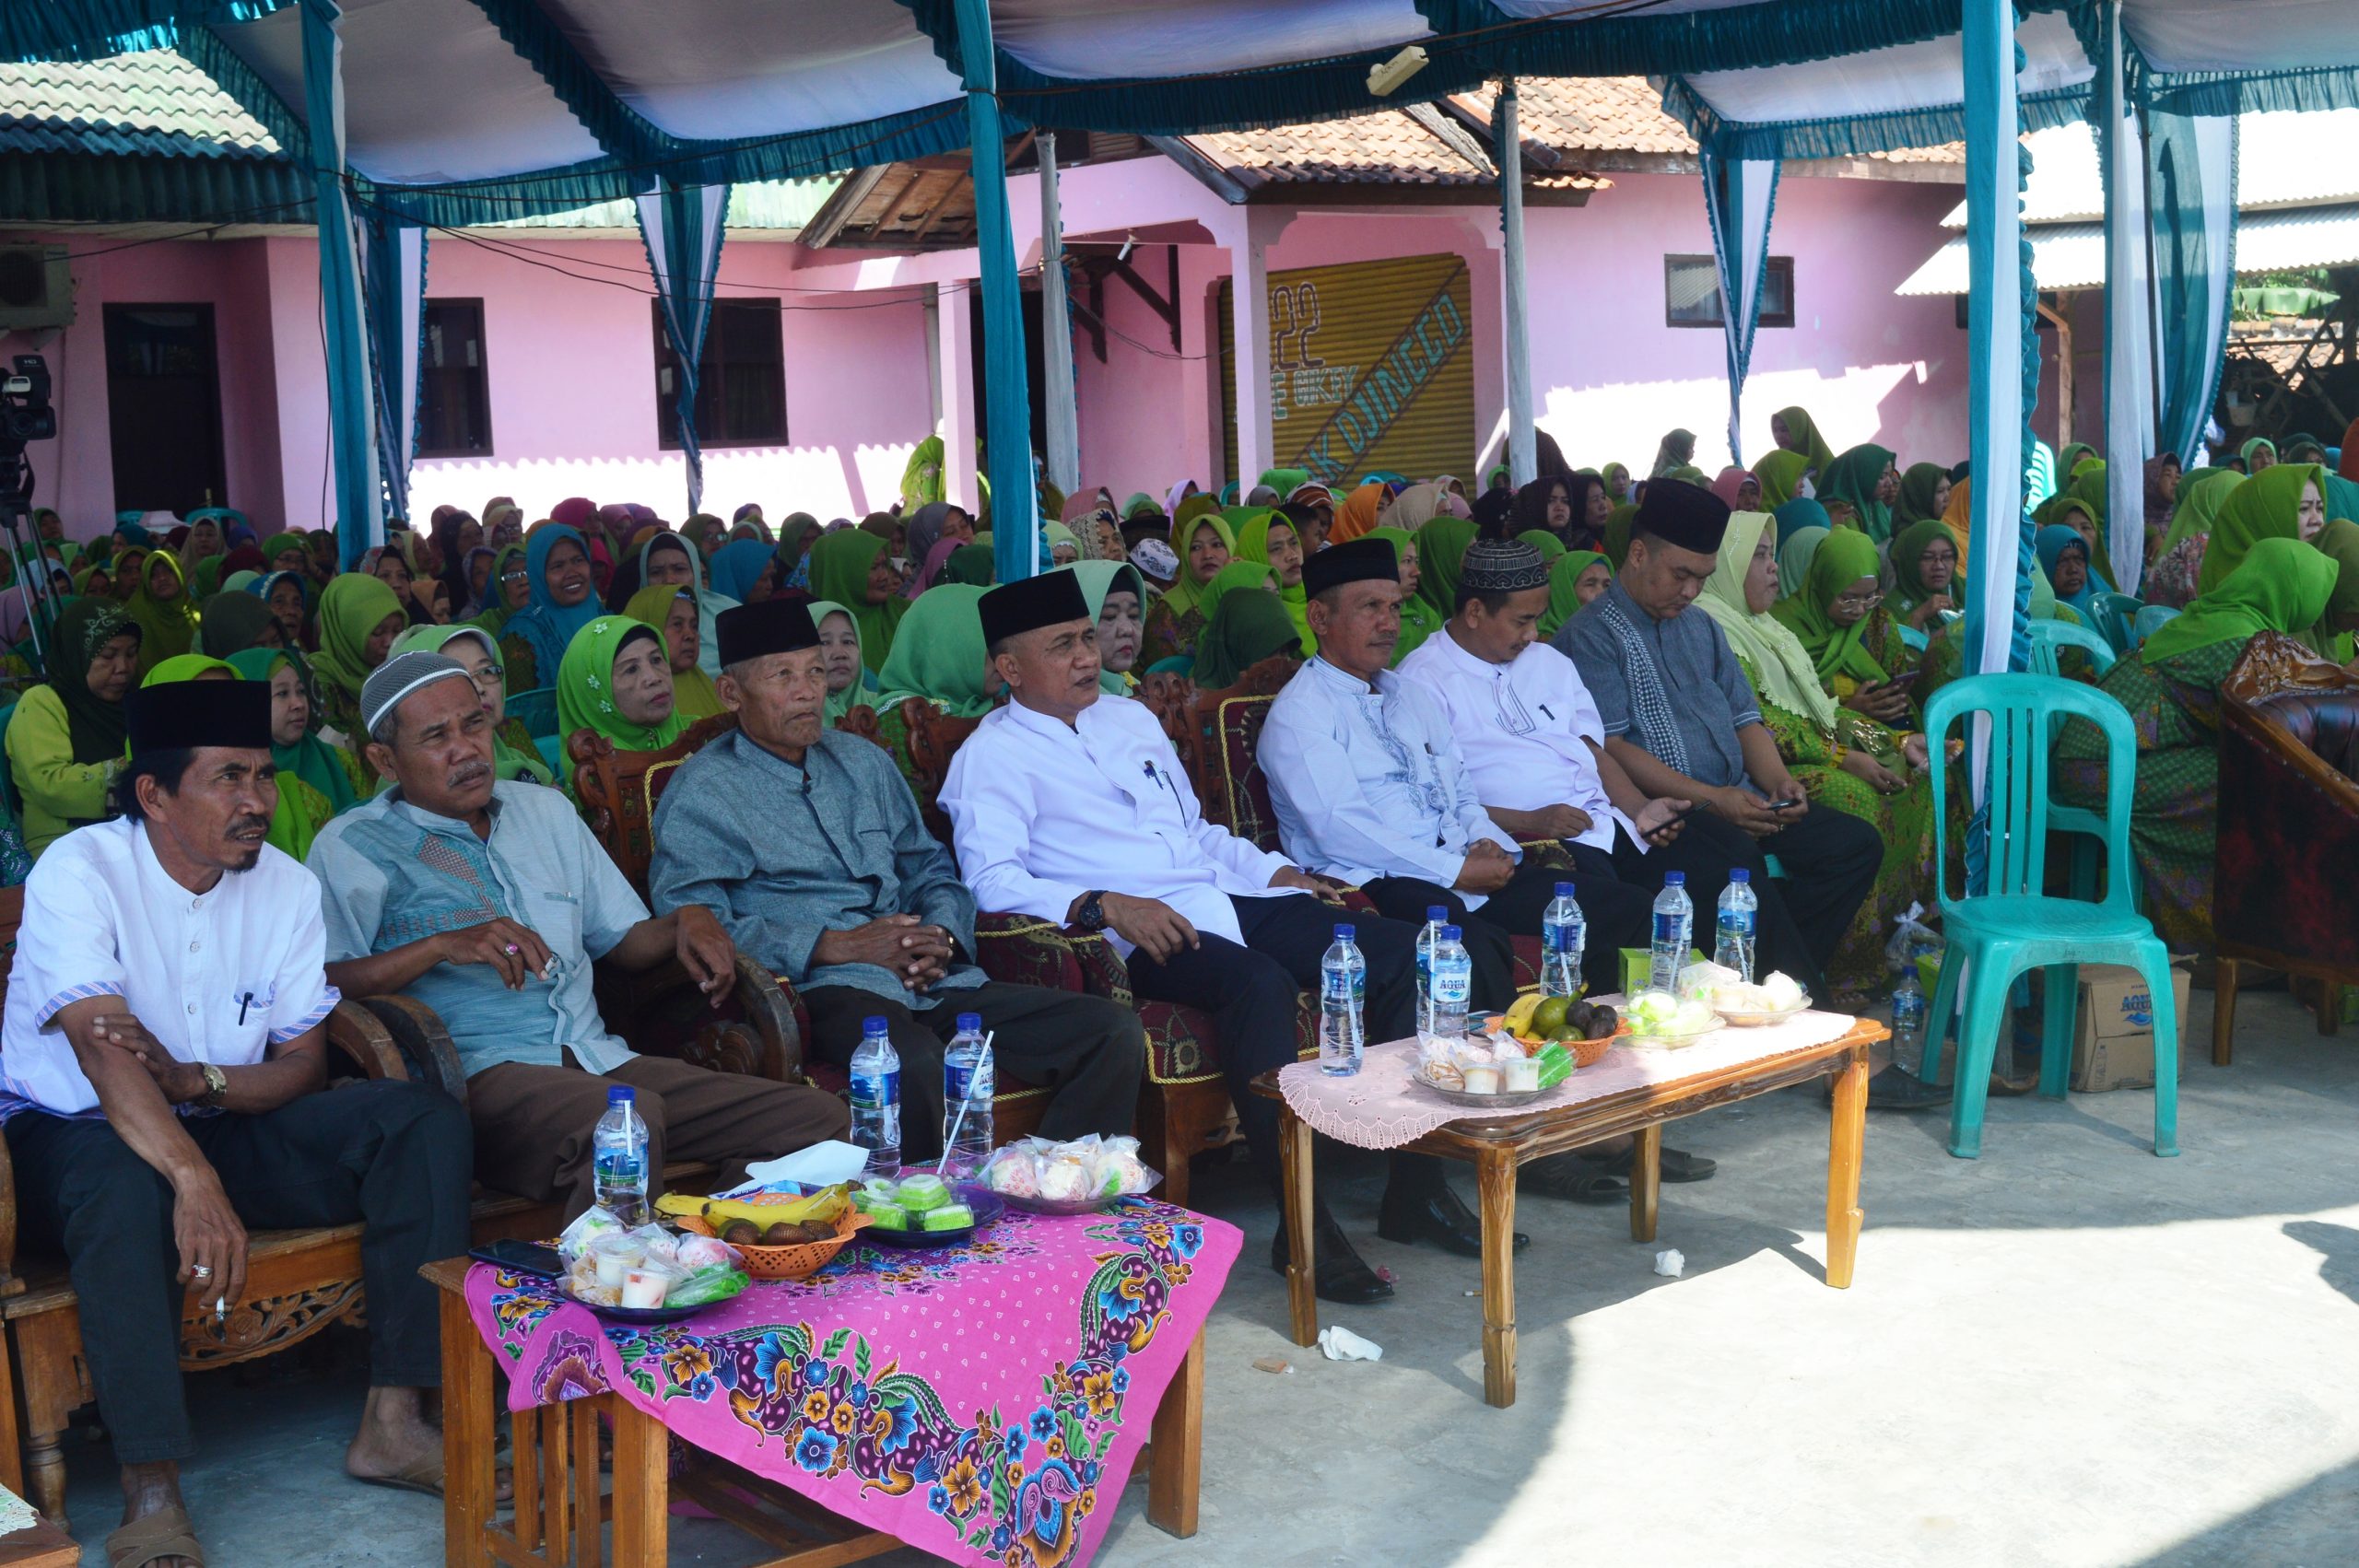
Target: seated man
x,y
488,902
1681,719
165,1042
836,886
1071,806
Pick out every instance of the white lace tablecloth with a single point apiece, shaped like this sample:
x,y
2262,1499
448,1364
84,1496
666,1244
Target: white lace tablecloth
x,y
1379,1107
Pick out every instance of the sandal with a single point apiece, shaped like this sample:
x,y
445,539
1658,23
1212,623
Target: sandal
x,y
1571,1176
168,1532
424,1476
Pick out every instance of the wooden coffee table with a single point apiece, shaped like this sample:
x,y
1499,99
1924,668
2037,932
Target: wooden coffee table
x,y
1494,1147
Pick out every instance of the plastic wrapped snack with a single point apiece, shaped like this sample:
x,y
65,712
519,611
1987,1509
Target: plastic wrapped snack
x,y
1063,1180
586,1227
1081,1174
919,1193
1013,1177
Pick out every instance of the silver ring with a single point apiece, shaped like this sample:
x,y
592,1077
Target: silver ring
x,y
200,1271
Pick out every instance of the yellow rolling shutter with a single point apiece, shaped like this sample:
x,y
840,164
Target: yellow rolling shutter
x,y
1371,367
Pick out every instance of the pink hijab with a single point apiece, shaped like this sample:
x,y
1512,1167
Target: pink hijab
x,y
1725,486
935,559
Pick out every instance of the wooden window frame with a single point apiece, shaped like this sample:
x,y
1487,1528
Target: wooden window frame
x,y
1768,318
481,376
667,436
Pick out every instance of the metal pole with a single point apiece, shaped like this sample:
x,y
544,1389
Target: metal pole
x,y
1063,434
1523,457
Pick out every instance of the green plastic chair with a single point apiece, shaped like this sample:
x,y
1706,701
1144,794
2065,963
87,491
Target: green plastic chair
x,y
2117,617
536,709
2048,640
2013,927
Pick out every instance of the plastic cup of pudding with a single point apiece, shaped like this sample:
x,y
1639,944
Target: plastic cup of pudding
x,y
615,1255
644,1287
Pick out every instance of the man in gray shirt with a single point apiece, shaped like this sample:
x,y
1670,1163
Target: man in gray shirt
x,y
806,844
1681,719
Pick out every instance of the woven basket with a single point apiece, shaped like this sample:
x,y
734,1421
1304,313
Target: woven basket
x,y
796,1261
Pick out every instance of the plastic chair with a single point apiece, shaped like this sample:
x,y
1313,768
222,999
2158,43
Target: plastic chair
x,y
2150,620
2014,928
2048,640
2117,615
536,709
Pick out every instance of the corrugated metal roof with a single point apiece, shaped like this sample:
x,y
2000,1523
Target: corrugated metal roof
x,y
2283,159
2072,256
784,205
154,102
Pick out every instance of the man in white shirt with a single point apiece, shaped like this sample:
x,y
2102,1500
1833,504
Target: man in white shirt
x,y
162,1055
1071,807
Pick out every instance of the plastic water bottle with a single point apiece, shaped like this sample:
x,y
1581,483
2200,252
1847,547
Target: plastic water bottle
x,y
876,1099
619,1156
1674,932
1740,914
1909,1021
966,1080
1436,916
1563,936
1342,987
1453,985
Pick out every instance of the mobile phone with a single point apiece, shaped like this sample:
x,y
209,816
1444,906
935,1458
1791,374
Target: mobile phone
x,y
1780,805
521,1258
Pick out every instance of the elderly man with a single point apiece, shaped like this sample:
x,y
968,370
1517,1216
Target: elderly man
x,y
165,1050
1071,806
836,886
489,902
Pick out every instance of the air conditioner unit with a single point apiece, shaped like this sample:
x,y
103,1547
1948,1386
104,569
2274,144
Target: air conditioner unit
x,y
36,287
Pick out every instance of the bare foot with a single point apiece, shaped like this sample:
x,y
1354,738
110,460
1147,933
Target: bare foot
x,y
397,1442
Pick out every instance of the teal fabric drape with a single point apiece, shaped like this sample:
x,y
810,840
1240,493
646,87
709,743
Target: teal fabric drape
x,y
683,228
1739,195
394,279
359,520
2192,164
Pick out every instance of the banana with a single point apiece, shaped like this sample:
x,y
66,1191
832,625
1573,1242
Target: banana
x,y
1518,1017
826,1204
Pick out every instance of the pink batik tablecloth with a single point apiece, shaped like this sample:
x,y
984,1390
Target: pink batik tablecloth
x,y
1379,1107
982,1402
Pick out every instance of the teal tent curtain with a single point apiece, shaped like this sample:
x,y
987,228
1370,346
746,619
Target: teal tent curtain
x,y
394,278
359,520
2129,308
2194,163
683,228
1739,195
1008,397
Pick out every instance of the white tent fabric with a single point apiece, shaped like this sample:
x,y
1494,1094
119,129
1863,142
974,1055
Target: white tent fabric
x,y
2131,332
1885,81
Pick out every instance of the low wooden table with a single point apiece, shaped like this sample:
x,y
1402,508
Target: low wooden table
x,y
1497,1146
559,1507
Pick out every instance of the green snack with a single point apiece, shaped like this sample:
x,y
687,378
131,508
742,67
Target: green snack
x,y
707,1286
949,1217
919,1193
886,1217
1556,1064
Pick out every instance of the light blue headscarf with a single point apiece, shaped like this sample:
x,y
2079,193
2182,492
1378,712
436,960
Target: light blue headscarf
x,y
547,626
736,566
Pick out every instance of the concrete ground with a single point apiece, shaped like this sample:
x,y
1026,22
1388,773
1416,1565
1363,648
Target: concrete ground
x,y
2068,1352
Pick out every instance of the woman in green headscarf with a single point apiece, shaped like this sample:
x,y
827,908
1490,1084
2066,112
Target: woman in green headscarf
x,y
2172,570
1795,553
615,681
849,568
1780,473
970,564
849,685
163,610
1441,559
230,623
288,552
1794,430
1574,579
1269,539
1856,648
515,754
671,609
1547,544
1924,574
2285,500
942,661
2171,687
1865,477
2258,454
1615,541
360,617
510,588
1202,539
314,782
2339,542
66,739
2085,497
1244,628
1924,492
1117,596
1419,619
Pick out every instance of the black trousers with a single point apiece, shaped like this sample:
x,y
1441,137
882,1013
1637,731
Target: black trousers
x,y
397,1157
1250,990
1616,914
1090,1052
1830,860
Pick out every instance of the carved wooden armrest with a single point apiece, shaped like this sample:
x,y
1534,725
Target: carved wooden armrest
x,y
9,1284
662,1011
363,1040
417,1034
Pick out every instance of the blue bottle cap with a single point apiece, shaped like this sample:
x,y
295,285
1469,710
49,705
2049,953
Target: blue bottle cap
x,y
620,1094
1563,890
1738,873
1450,933
1674,879
970,1023
1437,913
874,1025
1347,933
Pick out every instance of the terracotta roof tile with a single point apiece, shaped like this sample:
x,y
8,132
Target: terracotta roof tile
x,y
1386,147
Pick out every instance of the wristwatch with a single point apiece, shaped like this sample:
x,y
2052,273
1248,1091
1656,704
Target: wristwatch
x,y
1091,916
216,1084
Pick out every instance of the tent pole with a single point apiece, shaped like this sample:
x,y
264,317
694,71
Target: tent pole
x,y
358,513
1249,306
1007,396
1994,333
1063,435
1507,139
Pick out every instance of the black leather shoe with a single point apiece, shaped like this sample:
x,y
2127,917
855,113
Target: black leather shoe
x,y
1339,1274
1435,1214
1894,1090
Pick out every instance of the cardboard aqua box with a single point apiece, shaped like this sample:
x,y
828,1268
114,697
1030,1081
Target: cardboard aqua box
x,y
1637,962
2114,1045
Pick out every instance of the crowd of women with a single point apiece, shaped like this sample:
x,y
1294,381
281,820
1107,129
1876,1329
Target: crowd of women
x,y
1837,588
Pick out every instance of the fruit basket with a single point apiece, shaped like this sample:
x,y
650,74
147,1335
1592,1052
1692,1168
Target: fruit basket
x,y
789,1260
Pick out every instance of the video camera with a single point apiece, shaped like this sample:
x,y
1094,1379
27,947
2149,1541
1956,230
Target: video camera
x,y
25,414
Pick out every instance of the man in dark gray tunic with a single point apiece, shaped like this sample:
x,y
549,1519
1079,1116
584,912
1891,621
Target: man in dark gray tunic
x,y
806,843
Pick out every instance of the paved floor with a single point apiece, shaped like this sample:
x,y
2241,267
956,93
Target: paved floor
x,y
2068,1352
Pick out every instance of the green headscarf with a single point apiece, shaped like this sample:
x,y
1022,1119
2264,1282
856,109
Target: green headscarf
x,y
1253,544
1783,668
2266,505
184,667
354,606
2087,492
854,695
2256,444
2069,460
1780,473
233,622
942,661
921,475
309,761
1795,553
1186,593
1918,487
1564,584
1243,630
1098,579
693,693
205,577
1236,575
95,729
1616,534
287,540
839,566
2200,496
1547,544
507,762
2339,542
1908,545
585,683
1441,560
1844,557
1853,478
164,628
1812,445
1057,533
1419,619
2281,585
970,564
493,619
1284,481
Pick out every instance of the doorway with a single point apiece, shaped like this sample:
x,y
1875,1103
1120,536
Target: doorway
x,y
1036,374
164,408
